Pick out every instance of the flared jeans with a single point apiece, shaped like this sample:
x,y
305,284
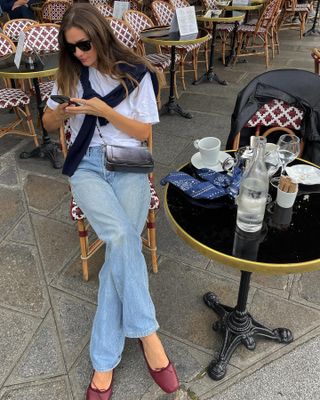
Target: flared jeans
x,y
116,205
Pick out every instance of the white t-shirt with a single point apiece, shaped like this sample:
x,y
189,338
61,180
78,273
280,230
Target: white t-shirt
x,y
140,105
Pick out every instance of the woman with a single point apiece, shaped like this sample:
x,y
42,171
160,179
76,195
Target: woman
x,y
92,65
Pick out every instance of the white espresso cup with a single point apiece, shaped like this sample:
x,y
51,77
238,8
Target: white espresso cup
x,y
209,148
286,199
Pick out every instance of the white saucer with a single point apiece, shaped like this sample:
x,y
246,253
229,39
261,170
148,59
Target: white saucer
x,y
196,161
305,174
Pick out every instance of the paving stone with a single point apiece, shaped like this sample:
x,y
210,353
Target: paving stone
x,y
169,244
16,330
201,125
36,165
22,284
294,377
62,211
57,242
12,208
179,304
273,312
43,357
205,103
74,321
50,390
8,142
44,193
280,284
70,280
9,177
165,148
22,232
308,287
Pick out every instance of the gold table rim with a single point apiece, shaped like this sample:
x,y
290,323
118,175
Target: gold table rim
x,y
235,262
158,41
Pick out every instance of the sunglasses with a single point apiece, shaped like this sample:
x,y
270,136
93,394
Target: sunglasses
x,y
85,45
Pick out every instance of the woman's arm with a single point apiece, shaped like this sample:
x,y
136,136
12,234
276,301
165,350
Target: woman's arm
x,y
95,106
52,119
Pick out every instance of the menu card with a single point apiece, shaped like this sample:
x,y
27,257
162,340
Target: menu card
x,y
119,8
241,2
19,49
184,21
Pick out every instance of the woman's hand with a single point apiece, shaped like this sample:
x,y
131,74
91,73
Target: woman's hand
x,y
62,113
92,106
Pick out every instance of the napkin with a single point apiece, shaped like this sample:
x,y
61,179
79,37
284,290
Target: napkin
x,y
212,185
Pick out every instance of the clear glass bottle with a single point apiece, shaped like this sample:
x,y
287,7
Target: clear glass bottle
x,y
253,190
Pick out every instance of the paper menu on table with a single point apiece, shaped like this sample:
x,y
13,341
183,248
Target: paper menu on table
x,y
19,49
119,8
241,2
184,21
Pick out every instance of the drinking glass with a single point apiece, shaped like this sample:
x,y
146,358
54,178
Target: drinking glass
x,y
288,150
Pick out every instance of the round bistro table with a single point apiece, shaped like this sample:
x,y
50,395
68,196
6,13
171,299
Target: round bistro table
x,y
43,66
287,243
173,40
210,75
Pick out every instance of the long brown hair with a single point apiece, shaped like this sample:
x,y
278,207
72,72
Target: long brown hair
x,y
110,51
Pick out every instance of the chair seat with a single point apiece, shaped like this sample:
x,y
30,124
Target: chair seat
x,y
13,98
161,60
77,214
225,27
277,113
251,28
46,89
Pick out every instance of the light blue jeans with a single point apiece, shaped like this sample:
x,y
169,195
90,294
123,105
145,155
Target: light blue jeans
x,y
116,205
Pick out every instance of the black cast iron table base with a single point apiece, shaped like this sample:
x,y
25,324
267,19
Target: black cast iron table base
x,y
172,107
238,326
47,150
313,30
210,76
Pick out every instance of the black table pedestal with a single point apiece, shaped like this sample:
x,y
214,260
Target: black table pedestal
x,y
171,106
238,326
47,149
210,75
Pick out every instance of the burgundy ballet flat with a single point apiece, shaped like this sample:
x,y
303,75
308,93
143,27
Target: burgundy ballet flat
x,y
165,377
96,394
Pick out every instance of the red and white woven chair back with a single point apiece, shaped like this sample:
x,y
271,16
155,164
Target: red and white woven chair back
x,y
277,113
210,4
179,3
97,2
54,10
6,45
42,38
123,33
105,9
137,21
162,12
268,14
13,27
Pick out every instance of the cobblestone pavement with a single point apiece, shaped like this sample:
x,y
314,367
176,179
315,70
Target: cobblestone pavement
x,y
46,310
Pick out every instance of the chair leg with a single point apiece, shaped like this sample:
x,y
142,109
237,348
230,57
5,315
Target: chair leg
x,y
84,247
152,242
266,50
31,126
195,55
182,59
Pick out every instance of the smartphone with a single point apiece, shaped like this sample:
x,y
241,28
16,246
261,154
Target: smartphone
x,y
59,98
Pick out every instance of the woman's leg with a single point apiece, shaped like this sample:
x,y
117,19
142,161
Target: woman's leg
x,y
124,304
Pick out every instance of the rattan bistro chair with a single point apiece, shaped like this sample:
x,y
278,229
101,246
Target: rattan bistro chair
x,y
274,118
88,249
316,56
13,27
15,99
42,38
53,11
